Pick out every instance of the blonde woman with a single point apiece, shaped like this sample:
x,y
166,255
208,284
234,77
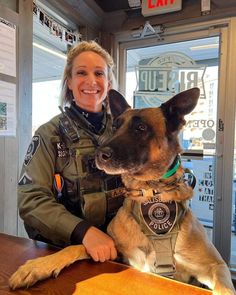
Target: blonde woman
x,y
63,198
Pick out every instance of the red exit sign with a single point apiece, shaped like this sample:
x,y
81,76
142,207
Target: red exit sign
x,y
153,7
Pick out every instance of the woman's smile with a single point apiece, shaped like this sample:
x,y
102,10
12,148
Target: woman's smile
x,y
89,81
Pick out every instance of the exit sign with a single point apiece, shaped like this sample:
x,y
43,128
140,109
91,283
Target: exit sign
x,y
153,7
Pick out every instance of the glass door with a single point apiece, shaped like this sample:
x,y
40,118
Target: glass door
x,y
157,70
156,73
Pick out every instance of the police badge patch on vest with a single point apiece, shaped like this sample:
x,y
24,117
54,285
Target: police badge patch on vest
x,y
35,143
159,217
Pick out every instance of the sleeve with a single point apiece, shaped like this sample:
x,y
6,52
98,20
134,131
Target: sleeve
x,y
79,232
37,204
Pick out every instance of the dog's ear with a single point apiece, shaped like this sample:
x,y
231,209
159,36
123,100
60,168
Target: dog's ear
x,y
117,103
178,106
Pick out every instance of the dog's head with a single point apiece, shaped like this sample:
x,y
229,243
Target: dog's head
x,y
145,141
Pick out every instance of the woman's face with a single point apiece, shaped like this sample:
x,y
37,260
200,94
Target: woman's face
x,y
89,81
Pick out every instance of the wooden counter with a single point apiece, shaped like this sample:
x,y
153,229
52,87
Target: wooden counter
x,y
91,277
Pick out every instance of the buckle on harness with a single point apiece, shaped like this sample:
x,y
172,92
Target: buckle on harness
x,y
190,178
166,270
164,247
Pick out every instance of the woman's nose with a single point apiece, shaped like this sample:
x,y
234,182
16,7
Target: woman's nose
x,y
91,78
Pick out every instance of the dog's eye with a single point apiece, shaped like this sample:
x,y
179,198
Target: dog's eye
x,y
114,127
141,127
116,124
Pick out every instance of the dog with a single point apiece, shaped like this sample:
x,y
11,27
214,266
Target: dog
x,y
167,238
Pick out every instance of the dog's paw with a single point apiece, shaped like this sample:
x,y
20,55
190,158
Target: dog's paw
x,y
221,290
44,267
33,271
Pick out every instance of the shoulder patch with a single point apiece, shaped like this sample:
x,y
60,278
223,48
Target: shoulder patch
x,y
159,217
35,143
25,179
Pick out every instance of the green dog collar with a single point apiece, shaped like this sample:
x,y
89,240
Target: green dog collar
x,y
173,168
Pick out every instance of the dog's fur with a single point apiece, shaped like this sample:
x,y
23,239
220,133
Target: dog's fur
x,y
143,147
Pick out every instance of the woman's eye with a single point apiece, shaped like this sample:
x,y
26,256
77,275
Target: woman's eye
x,y
100,73
81,73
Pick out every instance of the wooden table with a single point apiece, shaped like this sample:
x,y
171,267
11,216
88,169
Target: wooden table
x,y
14,251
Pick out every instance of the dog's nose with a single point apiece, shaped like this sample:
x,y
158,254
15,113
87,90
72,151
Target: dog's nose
x,y
104,154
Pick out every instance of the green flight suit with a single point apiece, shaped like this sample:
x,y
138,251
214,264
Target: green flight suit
x,y
38,205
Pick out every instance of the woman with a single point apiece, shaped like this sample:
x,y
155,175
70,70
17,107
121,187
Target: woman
x,y
63,198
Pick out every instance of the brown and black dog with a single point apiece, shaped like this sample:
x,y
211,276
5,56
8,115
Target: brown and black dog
x,y
154,230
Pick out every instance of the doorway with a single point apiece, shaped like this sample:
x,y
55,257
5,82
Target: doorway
x,y
196,56
162,72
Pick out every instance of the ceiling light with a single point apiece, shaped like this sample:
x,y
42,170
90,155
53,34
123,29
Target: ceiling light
x,y
56,53
134,3
206,46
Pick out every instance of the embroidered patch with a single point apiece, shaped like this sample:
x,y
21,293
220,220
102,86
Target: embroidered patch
x,y
159,217
32,149
62,150
25,179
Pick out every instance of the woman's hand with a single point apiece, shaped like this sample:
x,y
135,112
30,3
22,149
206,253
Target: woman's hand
x,y
99,245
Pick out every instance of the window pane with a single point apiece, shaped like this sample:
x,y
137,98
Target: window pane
x,y
45,102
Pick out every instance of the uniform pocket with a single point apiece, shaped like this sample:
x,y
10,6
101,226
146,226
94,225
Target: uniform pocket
x,y
94,207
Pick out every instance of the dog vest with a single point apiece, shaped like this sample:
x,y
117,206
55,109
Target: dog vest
x,y
160,222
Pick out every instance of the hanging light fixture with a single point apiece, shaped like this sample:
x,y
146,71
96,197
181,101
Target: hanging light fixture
x,y
134,3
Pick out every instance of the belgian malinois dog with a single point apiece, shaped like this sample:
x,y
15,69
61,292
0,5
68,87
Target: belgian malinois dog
x,y
166,237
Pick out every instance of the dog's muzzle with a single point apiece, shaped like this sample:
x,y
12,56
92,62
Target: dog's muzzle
x,y
103,158
104,155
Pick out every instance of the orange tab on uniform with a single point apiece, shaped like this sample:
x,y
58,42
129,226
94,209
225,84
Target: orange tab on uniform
x,y
58,182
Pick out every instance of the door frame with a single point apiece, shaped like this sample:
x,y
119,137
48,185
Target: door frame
x,y
226,29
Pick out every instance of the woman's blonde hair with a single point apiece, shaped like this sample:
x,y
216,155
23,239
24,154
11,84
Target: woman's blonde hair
x,y
66,94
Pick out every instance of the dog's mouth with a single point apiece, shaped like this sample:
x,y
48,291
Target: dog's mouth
x,y
106,161
112,167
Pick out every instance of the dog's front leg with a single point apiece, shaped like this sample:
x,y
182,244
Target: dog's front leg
x,y
196,254
222,280
130,241
217,277
44,267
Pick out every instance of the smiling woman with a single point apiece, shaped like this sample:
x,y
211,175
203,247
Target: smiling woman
x,y
59,178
